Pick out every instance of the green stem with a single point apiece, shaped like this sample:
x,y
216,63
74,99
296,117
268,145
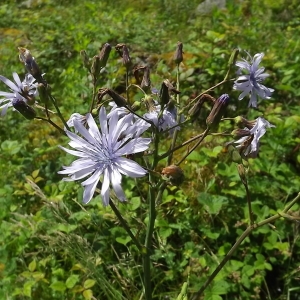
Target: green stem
x,y
125,225
52,123
93,96
205,133
175,134
237,244
58,112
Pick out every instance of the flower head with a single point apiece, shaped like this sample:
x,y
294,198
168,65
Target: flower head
x,y
249,143
101,154
250,80
25,91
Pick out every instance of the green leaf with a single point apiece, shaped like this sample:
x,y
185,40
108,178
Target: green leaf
x,y
58,286
87,294
89,283
71,281
32,266
123,240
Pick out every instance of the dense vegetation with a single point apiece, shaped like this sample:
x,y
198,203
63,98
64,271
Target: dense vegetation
x,y
54,247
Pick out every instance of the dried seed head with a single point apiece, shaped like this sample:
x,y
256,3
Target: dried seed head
x,y
178,55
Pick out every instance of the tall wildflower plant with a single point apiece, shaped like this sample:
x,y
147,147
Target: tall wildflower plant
x,y
119,137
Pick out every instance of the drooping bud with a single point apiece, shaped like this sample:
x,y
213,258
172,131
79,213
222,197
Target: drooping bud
x,y
30,64
218,110
124,53
44,91
174,174
178,57
104,54
118,99
27,111
165,90
146,82
238,133
96,66
85,59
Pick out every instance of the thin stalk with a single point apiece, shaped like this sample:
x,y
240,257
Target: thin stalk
x,y
175,133
52,123
125,225
238,242
93,96
58,112
205,133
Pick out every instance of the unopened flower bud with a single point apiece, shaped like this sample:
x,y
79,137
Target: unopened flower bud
x,y
96,66
165,90
234,154
136,105
238,133
218,110
30,64
194,112
118,99
27,111
85,59
124,53
178,57
174,174
149,103
44,91
104,54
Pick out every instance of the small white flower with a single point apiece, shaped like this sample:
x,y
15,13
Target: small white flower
x,y
101,154
250,144
250,80
19,91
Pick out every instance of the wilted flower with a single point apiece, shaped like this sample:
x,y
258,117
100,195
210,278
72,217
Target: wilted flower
x,y
100,154
250,80
249,144
164,120
79,118
25,91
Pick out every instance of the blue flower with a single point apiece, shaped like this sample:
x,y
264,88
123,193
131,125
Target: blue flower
x,y
250,80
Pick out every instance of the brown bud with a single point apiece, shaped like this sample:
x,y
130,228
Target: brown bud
x,y
124,53
118,99
165,90
30,64
104,54
146,82
242,173
238,133
27,111
174,174
96,66
178,57
218,110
